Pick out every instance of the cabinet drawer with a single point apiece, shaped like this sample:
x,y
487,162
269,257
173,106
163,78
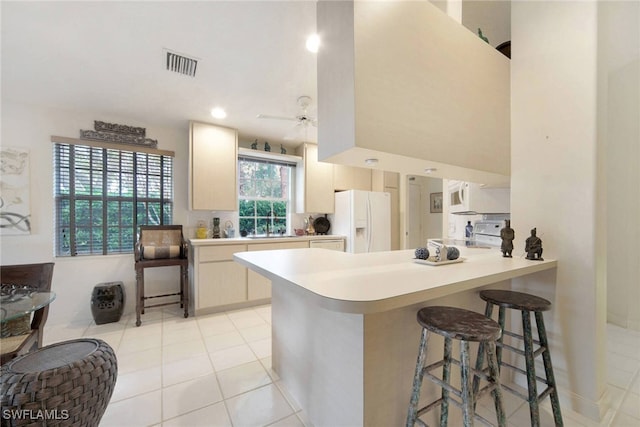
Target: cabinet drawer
x,y
219,253
275,246
334,245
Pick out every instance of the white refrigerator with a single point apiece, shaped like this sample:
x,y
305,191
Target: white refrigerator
x,y
364,217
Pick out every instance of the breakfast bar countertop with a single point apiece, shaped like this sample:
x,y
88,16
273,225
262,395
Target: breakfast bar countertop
x,y
344,324
381,281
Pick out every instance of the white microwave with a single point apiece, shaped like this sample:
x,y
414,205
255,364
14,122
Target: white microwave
x,y
470,198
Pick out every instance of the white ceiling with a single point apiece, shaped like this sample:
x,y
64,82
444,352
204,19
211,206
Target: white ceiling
x,y
107,57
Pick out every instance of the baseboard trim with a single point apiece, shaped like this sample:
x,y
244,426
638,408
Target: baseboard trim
x,y
229,307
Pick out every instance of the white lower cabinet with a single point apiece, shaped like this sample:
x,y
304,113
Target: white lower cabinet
x,y
218,281
218,278
222,283
258,286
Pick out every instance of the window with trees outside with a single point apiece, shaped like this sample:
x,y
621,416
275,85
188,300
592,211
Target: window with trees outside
x,y
264,194
102,195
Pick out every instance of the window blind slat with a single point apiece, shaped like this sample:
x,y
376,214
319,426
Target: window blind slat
x,y
98,202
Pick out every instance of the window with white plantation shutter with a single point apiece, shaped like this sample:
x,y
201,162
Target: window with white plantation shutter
x,y
103,194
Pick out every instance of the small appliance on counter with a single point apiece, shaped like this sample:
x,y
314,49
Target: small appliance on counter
x,y
215,230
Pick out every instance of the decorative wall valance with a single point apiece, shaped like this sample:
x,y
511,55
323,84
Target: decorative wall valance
x,y
121,134
110,145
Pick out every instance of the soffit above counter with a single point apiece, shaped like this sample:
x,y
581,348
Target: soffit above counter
x,y
404,83
414,166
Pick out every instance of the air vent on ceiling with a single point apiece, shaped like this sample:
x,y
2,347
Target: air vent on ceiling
x,y
181,64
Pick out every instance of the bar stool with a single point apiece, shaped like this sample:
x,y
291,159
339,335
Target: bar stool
x,y
465,326
526,303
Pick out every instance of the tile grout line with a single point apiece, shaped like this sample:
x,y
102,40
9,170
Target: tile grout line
x,y
626,393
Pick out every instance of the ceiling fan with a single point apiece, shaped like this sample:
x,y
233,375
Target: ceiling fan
x,y
303,119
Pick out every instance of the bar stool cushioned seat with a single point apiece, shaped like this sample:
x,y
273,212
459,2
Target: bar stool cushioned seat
x,y
526,304
161,246
464,325
64,384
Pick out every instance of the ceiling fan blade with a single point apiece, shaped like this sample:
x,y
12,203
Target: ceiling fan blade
x,y
267,116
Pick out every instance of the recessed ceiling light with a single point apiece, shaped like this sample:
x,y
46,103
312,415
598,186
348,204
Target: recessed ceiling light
x,y
430,170
371,162
313,43
218,113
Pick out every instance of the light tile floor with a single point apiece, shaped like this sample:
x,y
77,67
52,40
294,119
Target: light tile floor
x,y
216,371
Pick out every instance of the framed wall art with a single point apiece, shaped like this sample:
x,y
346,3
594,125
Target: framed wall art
x,y
435,203
15,209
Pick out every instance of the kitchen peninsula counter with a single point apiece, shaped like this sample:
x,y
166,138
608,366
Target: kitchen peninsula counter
x,y
344,330
382,281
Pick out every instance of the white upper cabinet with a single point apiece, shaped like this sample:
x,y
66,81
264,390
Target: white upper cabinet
x,y
351,178
213,160
405,84
314,182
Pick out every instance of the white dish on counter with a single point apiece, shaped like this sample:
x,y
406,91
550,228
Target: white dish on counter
x,y
437,263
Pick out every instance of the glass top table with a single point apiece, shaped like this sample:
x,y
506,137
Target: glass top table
x,y
15,305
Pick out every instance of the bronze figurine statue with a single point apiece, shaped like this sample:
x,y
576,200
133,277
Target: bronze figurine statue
x,y
533,247
507,235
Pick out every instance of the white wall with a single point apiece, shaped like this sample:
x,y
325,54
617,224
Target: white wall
x,y
555,184
74,277
619,129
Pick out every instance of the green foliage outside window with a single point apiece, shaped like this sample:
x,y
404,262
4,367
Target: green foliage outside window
x,y
102,195
264,195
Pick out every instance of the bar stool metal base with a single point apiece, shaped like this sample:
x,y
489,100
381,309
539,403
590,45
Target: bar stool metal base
x,y
526,304
465,326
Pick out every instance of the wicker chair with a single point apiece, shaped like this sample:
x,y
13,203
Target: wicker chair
x,y
65,384
161,246
34,276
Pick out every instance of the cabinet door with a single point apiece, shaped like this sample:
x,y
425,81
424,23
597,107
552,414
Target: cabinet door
x,y
314,183
221,283
351,178
213,160
258,286
392,179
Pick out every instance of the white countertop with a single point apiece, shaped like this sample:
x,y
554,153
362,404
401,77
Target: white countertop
x,y
380,281
249,240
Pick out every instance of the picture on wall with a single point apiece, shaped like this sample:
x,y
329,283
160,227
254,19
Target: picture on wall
x,y
15,209
435,203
